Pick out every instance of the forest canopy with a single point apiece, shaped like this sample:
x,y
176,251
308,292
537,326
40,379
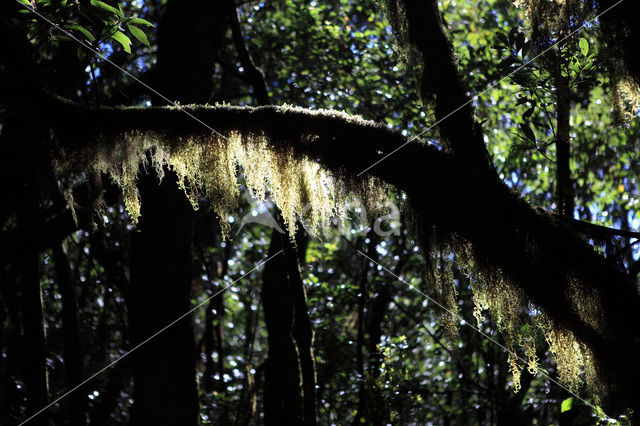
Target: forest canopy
x,y
302,212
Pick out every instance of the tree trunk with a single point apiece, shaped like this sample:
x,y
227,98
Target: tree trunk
x,y
70,335
364,407
282,388
564,186
22,139
34,369
284,370
302,329
165,389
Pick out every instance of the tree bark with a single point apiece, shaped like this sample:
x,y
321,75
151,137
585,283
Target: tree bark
x,y
564,185
34,367
70,335
419,23
34,355
165,389
22,141
364,404
290,375
302,328
282,388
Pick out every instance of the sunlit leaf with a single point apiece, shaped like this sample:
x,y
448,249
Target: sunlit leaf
x,y
139,34
567,404
121,38
83,30
584,46
141,21
104,6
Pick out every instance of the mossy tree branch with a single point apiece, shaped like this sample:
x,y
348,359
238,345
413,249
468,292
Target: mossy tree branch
x,y
536,250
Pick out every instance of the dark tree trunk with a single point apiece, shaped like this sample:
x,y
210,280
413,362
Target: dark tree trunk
x,y
70,335
34,367
23,140
34,352
282,387
165,390
289,390
364,406
302,329
564,186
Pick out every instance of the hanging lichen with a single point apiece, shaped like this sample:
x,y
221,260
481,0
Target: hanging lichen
x,y
494,293
518,320
529,345
515,369
568,354
300,188
587,303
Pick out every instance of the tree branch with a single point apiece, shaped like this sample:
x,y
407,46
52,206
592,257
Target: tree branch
x,y
254,75
418,26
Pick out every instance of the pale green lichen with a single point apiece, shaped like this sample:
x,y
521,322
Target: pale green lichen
x,y
518,319
301,189
568,353
515,369
587,303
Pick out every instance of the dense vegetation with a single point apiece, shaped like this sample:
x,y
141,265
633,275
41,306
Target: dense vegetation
x,y
218,172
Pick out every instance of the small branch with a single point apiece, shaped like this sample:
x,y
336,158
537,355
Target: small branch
x,y
599,231
254,74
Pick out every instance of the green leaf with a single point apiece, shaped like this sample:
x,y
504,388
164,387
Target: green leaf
x,y
528,132
139,34
528,112
83,30
584,46
141,21
26,3
566,405
104,6
123,40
